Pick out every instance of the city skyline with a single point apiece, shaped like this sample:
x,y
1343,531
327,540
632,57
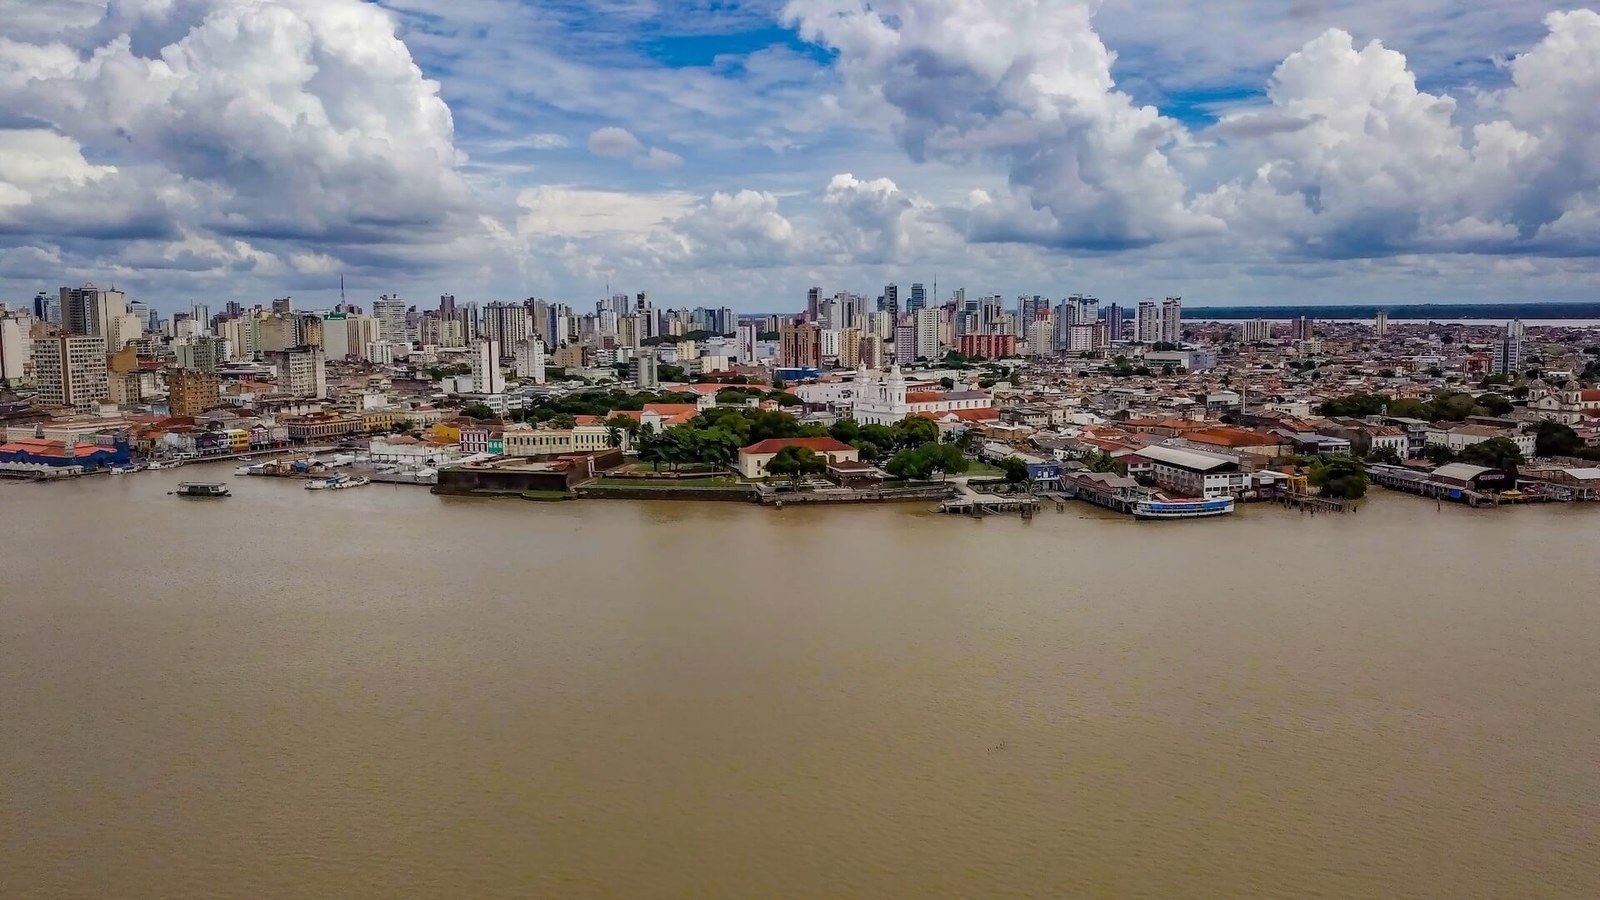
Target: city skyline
x,y
724,156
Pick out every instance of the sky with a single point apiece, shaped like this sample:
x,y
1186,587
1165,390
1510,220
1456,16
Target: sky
x,y
737,152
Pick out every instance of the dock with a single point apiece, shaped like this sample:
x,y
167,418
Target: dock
x,y
972,503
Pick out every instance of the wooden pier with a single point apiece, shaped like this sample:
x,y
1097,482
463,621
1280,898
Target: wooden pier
x,y
1314,504
970,502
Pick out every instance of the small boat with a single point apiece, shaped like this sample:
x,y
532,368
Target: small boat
x,y
123,470
346,482
203,489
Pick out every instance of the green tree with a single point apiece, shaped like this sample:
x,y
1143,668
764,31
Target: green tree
x,y
478,411
1385,454
1556,439
796,463
914,431
1016,471
1495,405
846,431
913,465
563,420
1410,408
946,459
947,383
1496,453
1340,476
1439,454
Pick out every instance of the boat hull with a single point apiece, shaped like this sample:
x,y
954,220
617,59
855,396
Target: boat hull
x,y
1183,509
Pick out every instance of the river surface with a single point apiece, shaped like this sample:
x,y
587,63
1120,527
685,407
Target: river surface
x,y
379,693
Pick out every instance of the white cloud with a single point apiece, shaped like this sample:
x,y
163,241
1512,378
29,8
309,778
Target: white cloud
x,y
613,142
659,160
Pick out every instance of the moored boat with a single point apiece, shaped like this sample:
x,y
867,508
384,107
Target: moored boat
x,y
203,489
1183,509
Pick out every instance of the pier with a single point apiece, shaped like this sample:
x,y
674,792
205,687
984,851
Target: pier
x,y
970,502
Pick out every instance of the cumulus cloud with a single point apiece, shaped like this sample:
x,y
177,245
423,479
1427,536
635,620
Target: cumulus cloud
x,y
1380,167
1024,83
285,122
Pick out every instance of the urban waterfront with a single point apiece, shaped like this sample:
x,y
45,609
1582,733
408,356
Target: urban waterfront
x,y
386,693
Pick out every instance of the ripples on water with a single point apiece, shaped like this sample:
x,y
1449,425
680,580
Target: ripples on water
x,y
381,693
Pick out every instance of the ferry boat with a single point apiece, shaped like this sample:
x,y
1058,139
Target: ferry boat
x,y
203,489
124,470
1182,509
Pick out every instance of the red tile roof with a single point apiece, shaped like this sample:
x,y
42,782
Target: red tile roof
x,y
816,445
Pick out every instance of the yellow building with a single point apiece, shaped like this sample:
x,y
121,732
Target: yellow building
x,y
443,433
380,420
191,392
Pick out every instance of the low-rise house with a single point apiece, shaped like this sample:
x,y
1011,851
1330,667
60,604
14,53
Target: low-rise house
x,y
753,459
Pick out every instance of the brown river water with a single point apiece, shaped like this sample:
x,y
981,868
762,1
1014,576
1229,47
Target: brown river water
x,y
380,693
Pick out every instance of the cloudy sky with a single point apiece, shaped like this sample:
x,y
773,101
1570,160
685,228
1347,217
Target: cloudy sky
x,y
737,151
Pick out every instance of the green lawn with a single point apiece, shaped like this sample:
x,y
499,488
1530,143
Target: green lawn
x,y
982,470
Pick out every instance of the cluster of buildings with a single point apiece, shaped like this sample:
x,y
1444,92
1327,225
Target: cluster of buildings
x,y
1201,408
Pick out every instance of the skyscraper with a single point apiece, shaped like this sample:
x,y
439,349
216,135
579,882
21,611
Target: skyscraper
x,y
1380,322
919,298
1114,323
1172,320
800,346
47,308
69,371
813,304
486,375
391,315
891,300
1507,352
1147,322
505,324
447,306
89,311
1257,330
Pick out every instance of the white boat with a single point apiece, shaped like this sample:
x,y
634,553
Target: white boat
x,y
320,484
1183,509
123,470
358,481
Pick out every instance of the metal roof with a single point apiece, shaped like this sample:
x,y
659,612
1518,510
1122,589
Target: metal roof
x,y
1196,460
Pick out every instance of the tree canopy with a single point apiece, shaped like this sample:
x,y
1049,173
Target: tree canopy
x,y
920,463
796,463
1496,453
1340,476
1556,439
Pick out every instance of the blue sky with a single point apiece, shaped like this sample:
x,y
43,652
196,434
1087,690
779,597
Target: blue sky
x,y
722,152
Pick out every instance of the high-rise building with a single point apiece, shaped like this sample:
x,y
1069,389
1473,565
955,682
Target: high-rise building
x,y
391,315
447,306
69,370
505,324
919,298
277,333
1172,320
1380,322
813,304
89,310
283,306
16,349
799,346
1507,352
928,343
302,371
642,369
905,343
1304,329
891,300
487,376
871,353
1257,331
47,308
1040,338
529,359
1080,338
201,353
190,393
745,343
1115,323
1147,322
201,313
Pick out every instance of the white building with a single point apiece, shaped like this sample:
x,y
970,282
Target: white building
x,y
927,334
1257,331
1195,473
880,398
1172,320
69,370
1147,323
380,353
391,315
529,359
302,371
1507,351
1041,335
487,378
16,351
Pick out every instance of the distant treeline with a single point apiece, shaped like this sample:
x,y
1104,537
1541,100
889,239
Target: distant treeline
x,y
1440,312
